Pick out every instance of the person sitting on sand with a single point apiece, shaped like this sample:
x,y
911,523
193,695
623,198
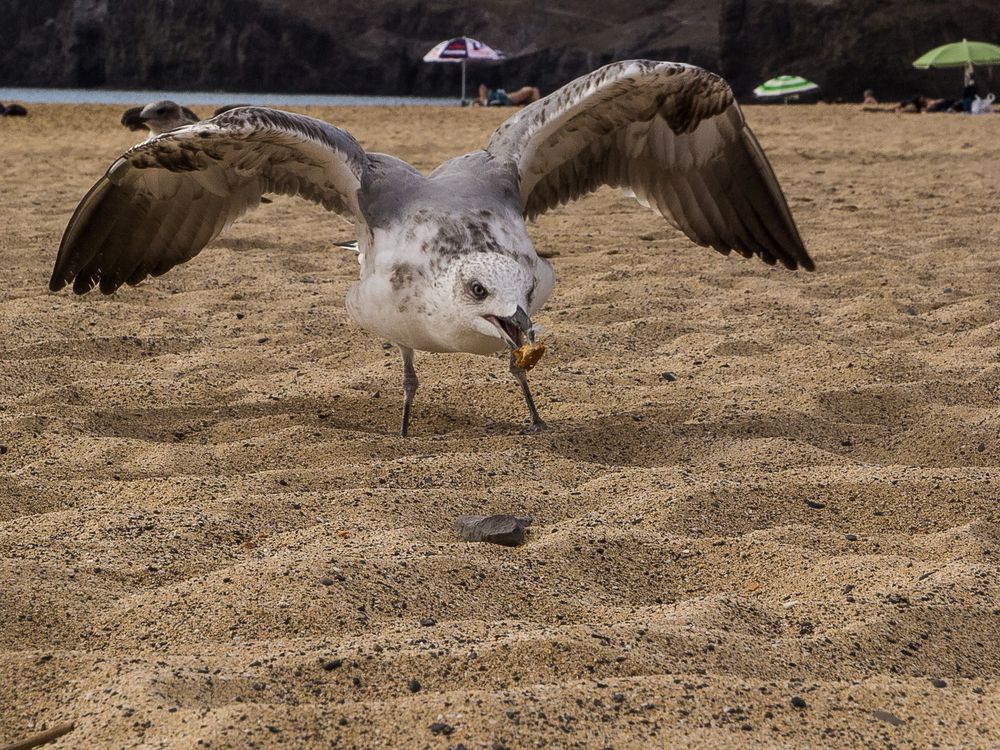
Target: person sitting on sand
x,y
501,98
869,97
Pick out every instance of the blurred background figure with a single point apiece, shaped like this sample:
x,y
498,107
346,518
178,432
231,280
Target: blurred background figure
x,y
158,117
502,98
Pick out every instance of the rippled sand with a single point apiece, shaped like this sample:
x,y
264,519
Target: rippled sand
x,y
210,533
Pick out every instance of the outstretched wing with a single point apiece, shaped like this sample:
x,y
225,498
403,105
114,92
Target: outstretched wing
x,y
165,199
673,134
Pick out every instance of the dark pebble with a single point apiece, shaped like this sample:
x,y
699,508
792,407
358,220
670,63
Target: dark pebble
x,y
939,683
668,376
342,721
815,504
3,449
439,727
888,718
414,686
326,581
798,701
851,537
428,621
617,697
501,529
332,664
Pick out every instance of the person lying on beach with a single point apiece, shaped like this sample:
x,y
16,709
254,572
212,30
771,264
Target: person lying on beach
x,y
920,103
501,98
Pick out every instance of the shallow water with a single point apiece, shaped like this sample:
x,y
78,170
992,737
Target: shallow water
x,y
142,96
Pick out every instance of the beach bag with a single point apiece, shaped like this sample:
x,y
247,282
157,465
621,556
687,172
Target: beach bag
x,y
982,106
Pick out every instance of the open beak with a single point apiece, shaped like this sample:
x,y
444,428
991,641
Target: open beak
x,y
517,329
133,119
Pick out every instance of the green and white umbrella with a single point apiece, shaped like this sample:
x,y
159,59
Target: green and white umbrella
x,y
784,87
963,54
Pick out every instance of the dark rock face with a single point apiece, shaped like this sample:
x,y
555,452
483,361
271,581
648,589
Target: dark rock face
x,y
350,46
375,46
850,45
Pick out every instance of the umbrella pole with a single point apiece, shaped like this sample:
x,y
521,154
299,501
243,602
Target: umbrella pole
x,y
463,81
968,73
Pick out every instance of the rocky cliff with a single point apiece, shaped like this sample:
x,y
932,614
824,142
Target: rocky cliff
x,y
851,45
352,46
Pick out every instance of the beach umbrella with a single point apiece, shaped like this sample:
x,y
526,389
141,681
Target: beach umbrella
x,y
463,49
784,87
963,54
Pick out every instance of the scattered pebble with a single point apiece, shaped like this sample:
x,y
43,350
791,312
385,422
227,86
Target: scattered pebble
x,y
326,581
428,621
332,664
496,529
939,683
414,686
888,718
439,727
851,537
798,701
668,376
815,504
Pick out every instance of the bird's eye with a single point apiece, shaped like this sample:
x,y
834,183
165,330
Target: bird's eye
x,y
478,290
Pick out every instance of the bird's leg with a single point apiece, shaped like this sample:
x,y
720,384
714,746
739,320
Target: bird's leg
x,y
410,384
522,377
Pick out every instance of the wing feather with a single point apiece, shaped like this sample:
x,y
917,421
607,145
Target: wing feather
x,y
675,136
166,198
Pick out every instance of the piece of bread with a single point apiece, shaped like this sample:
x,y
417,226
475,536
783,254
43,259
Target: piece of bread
x,y
526,356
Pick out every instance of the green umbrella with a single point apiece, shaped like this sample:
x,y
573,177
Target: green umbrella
x,y
784,86
963,54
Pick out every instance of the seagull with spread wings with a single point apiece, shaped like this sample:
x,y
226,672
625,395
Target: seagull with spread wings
x,y
446,261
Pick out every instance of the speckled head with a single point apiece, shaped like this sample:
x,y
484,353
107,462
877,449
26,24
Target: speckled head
x,y
481,303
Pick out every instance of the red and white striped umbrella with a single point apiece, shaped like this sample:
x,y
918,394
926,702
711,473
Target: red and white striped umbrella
x,y
460,50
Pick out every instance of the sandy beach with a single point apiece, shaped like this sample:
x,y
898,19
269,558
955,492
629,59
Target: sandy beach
x,y
766,514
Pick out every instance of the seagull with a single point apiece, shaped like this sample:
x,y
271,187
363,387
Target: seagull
x,y
446,261
158,117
